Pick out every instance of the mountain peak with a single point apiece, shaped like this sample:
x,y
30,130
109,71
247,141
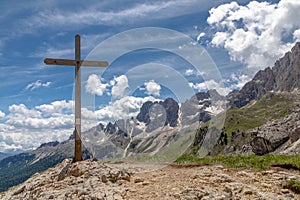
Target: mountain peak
x,y
49,144
170,107
284,76
296,48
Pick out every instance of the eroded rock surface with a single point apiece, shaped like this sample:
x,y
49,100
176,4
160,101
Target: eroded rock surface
x,y
96,180
80,180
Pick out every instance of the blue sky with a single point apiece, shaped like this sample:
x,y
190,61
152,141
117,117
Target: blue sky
x,y
36,101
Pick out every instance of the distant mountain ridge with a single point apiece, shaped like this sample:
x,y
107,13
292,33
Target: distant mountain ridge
x,y
16,169
157,125
4,155
284,76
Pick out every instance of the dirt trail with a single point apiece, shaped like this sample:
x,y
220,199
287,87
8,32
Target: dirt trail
x,y
211,182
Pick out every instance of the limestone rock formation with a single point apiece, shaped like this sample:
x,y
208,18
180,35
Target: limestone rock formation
x,y
261,146
199,107
169,106
282,135
89,180
284,76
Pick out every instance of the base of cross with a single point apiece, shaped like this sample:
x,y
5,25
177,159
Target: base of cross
x,y
78,147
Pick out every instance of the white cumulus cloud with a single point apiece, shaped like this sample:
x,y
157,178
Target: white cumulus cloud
x,y
22,110
210,85
128,106
152,88
94,85
2,114
22,117
26,128
256,34
239,80
202,34
37,84
120,84
189,72
56,107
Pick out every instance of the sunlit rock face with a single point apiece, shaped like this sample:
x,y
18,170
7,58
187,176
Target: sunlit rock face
x,y
284,76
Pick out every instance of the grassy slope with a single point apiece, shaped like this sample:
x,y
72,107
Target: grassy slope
x,y
271,106
240,161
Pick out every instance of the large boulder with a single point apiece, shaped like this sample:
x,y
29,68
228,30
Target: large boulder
x,y
262,146
295,136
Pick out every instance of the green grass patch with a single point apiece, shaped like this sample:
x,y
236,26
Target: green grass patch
x,y
242,161
269,107
293,185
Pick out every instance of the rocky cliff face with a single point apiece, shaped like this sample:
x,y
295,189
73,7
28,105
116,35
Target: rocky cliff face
x,y
279,136
201,107
172,109
166,111
262,82
284,76
287,70
144,115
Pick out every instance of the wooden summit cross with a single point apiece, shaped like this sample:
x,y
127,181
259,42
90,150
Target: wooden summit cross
x,y
77,63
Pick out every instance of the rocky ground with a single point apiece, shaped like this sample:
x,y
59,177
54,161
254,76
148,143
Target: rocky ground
x,y
96,180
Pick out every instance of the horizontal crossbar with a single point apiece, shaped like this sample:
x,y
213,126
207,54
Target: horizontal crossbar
x,y
66,62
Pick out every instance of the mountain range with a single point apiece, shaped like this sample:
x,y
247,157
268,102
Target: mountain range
x,y
261,118
283,76
4,155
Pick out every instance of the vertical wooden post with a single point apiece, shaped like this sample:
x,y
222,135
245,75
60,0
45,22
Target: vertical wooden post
x,y
78,63
78,145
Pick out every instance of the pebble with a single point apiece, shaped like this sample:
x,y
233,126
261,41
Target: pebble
x,y
138,180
